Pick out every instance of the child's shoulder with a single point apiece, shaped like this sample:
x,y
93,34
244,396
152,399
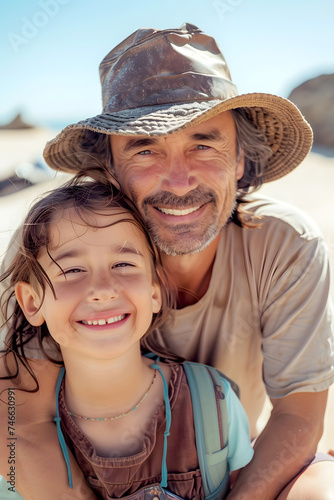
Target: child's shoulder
x,y
32,406
192,369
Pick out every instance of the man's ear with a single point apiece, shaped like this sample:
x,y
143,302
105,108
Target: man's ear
x,y
240,167
29,302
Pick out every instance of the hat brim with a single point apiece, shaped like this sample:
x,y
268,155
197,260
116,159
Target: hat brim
x,y
288,134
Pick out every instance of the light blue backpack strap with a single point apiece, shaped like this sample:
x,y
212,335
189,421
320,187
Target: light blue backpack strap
x,y
61,438
164,471
210,420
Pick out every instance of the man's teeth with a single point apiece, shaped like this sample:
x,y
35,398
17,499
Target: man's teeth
x,y
101,322
173,211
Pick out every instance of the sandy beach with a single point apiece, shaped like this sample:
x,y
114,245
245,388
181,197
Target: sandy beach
x,y
309,187
18,148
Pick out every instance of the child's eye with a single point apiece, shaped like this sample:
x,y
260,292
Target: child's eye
x,y
74,270
123,264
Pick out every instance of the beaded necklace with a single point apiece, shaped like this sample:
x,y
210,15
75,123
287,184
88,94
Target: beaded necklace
x,y
123,414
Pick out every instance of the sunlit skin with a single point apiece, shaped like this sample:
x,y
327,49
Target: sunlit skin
x,y
106,296
184,184
99,276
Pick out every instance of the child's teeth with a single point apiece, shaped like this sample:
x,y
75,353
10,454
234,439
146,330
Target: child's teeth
x,y
102,322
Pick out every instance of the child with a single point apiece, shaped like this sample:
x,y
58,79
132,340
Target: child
x,y
88,278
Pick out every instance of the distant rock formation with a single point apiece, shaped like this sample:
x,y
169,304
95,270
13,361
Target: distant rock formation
x,y
16,124
315,99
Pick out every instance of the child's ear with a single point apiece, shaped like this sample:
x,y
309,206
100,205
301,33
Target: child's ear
x,y
156,298
29,302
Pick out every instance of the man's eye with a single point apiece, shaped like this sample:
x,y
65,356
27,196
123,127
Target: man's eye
x,y
145,152
201,146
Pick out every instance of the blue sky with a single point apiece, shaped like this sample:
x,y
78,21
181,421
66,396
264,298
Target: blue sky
x,y
50,49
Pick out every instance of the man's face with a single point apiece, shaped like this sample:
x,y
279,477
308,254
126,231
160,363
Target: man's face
x,y
184,184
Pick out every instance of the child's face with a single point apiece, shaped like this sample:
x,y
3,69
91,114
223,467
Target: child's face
x,y
102,278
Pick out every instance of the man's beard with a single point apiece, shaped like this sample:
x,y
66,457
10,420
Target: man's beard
x,y
177,238
182,243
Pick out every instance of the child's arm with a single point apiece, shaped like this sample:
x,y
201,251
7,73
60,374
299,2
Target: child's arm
x,y
29,447
41,468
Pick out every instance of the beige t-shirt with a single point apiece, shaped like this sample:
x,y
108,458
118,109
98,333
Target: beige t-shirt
x,y
266,320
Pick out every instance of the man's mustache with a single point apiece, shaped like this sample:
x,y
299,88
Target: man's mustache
x,y
196,197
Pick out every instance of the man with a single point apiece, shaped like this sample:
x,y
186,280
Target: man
x,y
251,275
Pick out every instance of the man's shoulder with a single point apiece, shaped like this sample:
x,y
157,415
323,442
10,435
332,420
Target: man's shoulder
x,y
273,214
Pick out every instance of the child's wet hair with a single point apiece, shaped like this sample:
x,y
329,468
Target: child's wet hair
x,y
87,198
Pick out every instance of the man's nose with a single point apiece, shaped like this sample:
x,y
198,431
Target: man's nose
x,y
103,288
179,177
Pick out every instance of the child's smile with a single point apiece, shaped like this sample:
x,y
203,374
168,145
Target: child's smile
x,y
102,322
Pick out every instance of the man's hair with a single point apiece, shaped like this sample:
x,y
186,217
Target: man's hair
x,y
87,198
252,143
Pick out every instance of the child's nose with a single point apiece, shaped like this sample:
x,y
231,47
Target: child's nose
x,y
104,288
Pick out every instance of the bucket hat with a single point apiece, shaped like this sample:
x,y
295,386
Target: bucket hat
x,y
158,82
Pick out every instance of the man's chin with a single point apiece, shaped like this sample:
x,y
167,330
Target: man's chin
x,y
184,245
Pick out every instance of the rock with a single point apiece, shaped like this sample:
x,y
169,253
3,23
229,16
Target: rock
x,y
315,99
16,124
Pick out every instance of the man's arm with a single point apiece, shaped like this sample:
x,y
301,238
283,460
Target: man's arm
x,y
287,443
